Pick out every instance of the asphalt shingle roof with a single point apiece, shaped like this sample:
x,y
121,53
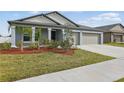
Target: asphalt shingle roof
x,y
107,28
78,27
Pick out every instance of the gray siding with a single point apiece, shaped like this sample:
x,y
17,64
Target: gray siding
x,y
44,34
117,28
40,19
60,19
18,36
106,37
76,37
123,38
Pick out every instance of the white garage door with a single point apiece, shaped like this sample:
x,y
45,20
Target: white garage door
x,y
76,37
91,38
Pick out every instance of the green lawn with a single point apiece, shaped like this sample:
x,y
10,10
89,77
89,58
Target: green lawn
x,y
120,80
15,67
116,44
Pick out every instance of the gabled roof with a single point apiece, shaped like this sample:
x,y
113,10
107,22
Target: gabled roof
x,y
39,15
107,28
83,26
25,21
55,12
22,19
47,16
89,28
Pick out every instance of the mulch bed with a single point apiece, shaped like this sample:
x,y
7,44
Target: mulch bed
x,y
41,50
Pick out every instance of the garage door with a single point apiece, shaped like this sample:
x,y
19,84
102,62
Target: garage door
x,y
76,37
91,38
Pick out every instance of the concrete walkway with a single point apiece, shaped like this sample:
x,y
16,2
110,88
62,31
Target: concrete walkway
x,y
101,72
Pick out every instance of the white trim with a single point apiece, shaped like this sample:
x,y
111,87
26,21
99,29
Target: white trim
x,y
27,41
118,34
87,31
49,33
63,33
101,38
112,37
13,37
81,38
33,34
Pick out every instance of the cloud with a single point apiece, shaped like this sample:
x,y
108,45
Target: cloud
x,y
107,16
35,12
38,12
102,19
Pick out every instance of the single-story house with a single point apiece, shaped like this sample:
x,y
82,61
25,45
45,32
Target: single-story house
x,y
112,33
53,26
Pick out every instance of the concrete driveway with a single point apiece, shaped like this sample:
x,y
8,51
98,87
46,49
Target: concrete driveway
x,y
113,51
107,71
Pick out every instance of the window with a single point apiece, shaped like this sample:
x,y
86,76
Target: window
x,y
27,37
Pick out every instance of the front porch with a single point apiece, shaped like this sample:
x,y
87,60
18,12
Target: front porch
x,y
117,37
46,33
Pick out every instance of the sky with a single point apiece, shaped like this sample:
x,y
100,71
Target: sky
x,y
88,18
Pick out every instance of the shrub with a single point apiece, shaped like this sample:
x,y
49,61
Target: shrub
x,y
45,42
53,44
66,44
18,44
68,41
33,45
5,46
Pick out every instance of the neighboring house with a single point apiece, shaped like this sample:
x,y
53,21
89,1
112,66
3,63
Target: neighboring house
x,y
53,26
4,39
112,33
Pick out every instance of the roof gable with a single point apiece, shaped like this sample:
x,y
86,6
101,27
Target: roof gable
x,y
53,18
61,19
41,18
112,28
117,28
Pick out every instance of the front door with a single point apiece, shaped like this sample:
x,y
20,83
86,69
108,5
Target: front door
x,y
53,35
